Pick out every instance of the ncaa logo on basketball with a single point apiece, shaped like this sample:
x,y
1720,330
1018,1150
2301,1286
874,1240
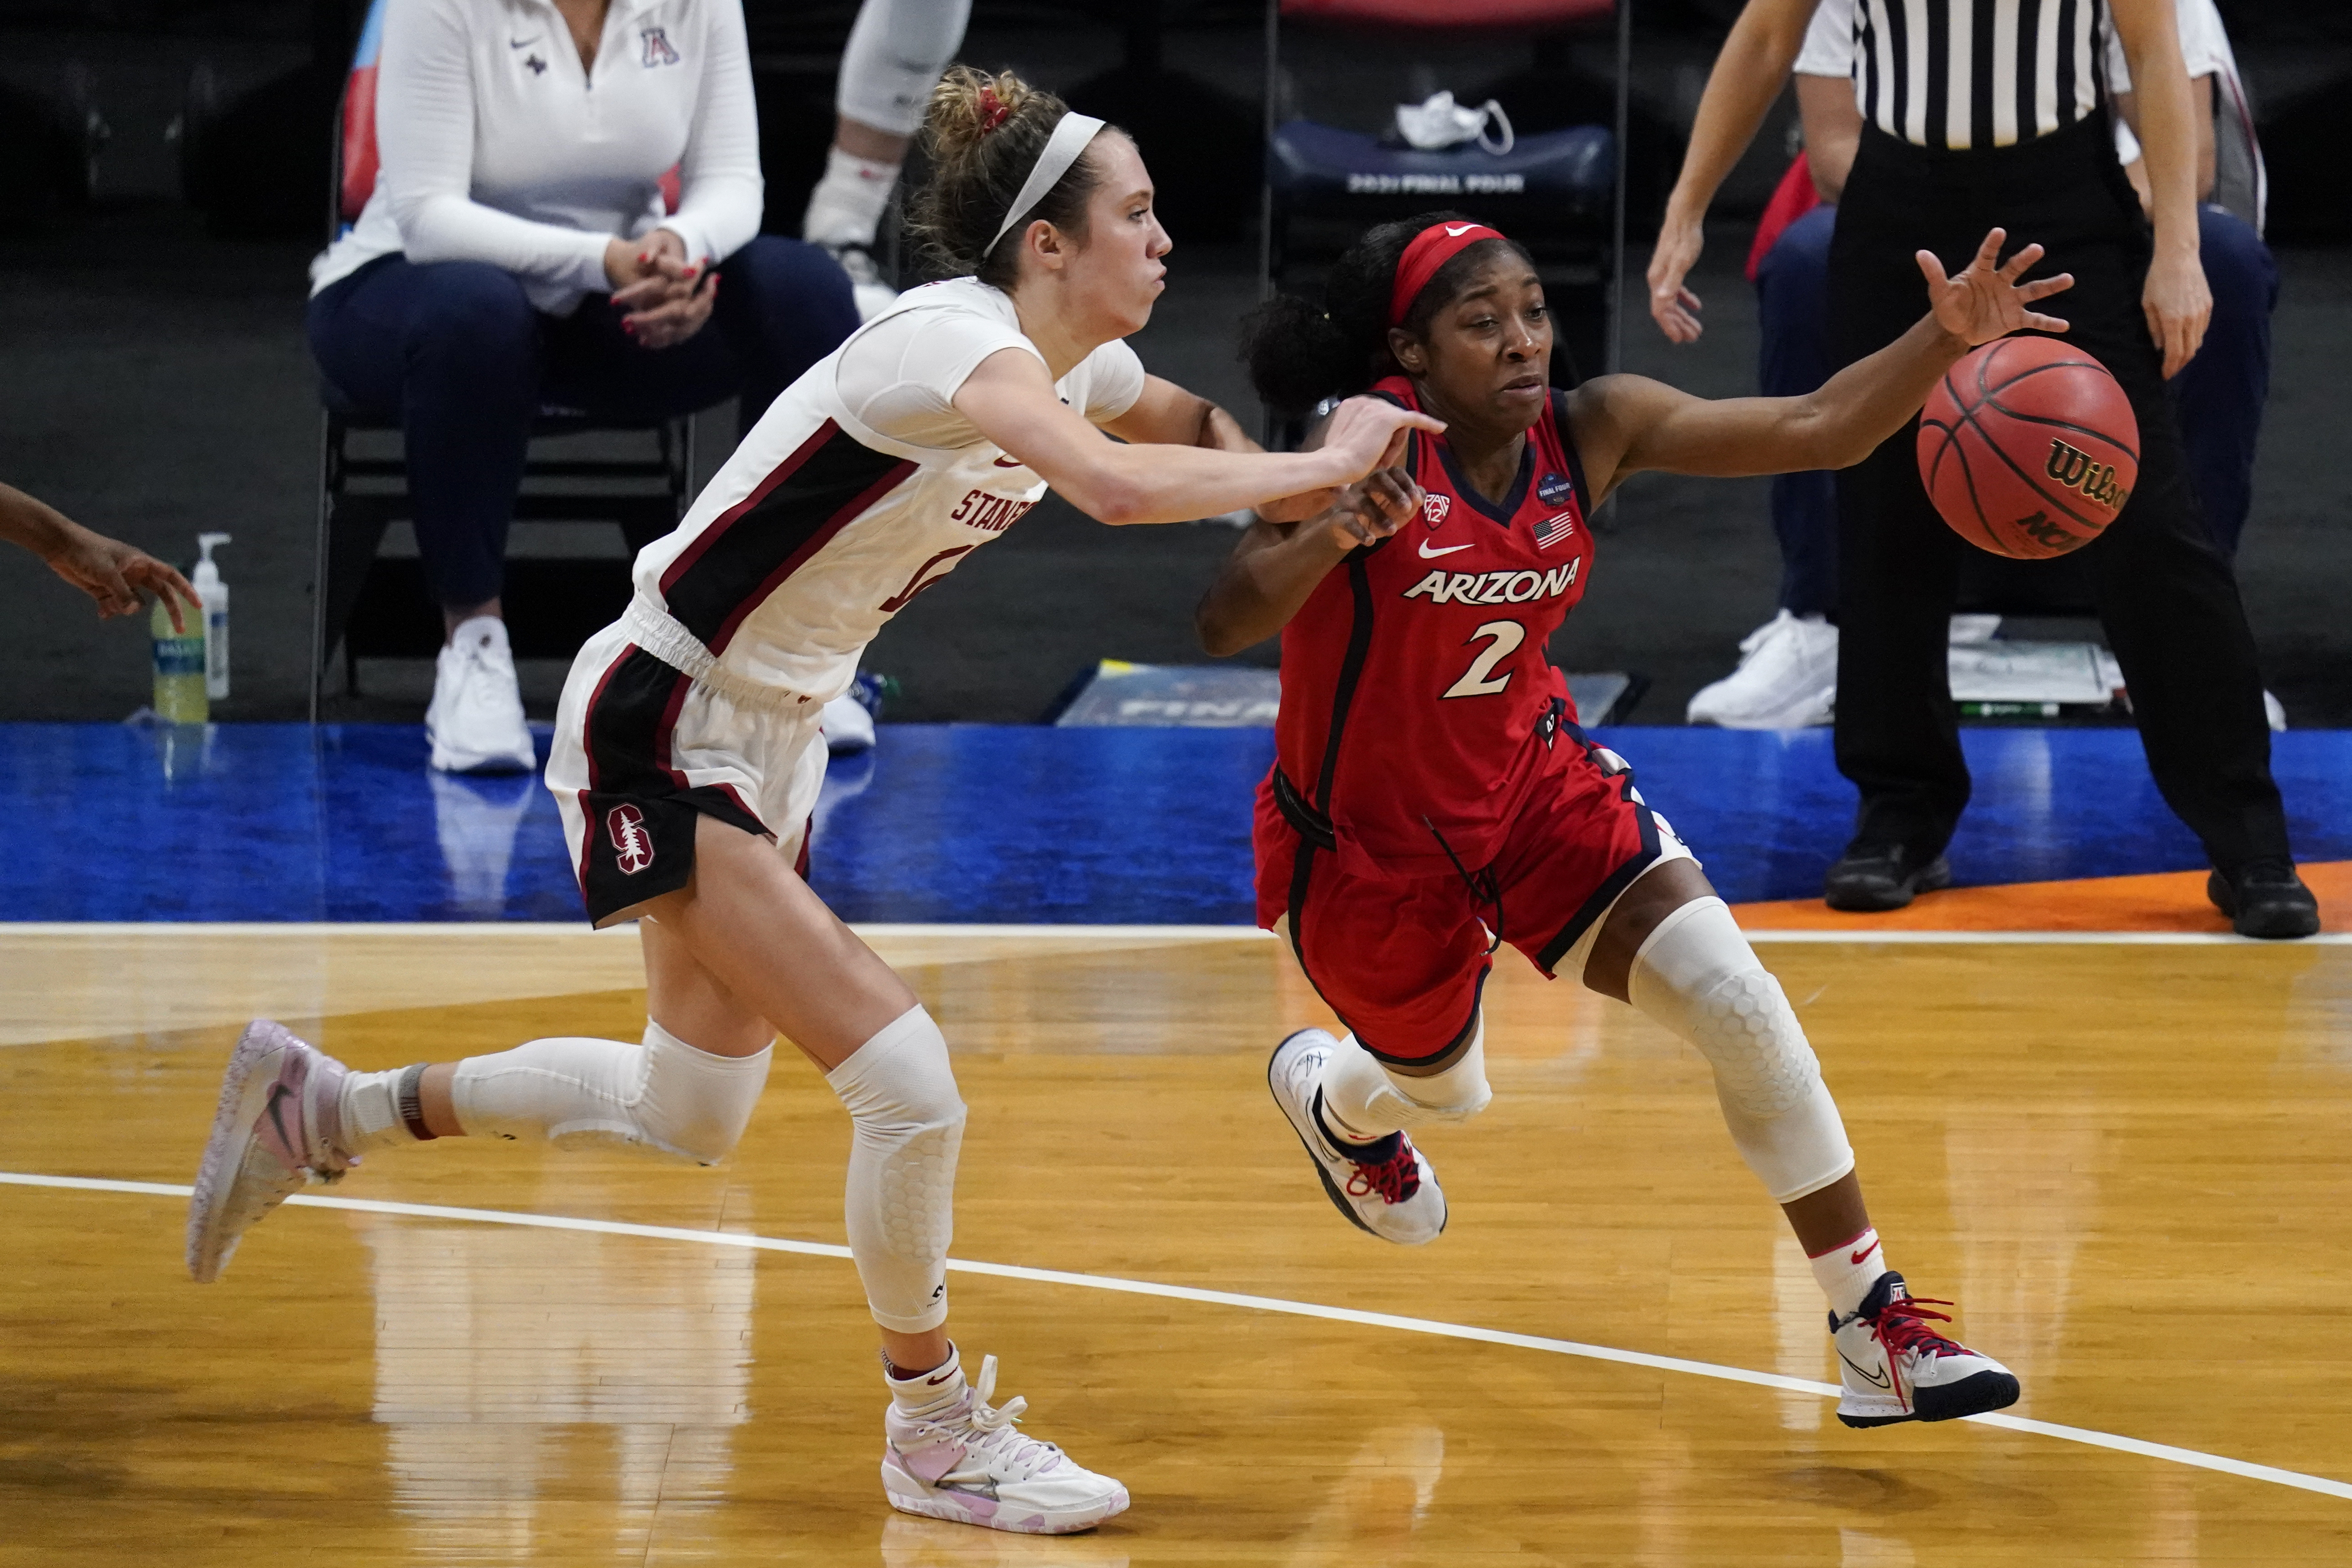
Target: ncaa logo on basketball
x,y
1434,507
632,847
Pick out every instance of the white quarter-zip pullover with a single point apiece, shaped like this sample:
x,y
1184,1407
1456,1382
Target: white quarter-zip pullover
x,y
498,145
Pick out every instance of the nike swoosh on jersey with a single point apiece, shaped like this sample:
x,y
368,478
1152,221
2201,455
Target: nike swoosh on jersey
x,y
1429,554
1010,463
522,43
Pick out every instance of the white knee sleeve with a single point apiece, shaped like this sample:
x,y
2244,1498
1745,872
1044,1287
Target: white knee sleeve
x,y
1697,976
664,1094
897,50
1365,1099
900,1197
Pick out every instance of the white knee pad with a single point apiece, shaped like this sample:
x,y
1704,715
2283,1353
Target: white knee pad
x,y
900,1196
1697,976
662,1095
1367,1098
897,50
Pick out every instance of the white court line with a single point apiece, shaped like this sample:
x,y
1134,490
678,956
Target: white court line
x,y
1860,934
2165,1451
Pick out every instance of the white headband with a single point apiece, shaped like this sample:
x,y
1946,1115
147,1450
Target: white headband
x,y
1062,149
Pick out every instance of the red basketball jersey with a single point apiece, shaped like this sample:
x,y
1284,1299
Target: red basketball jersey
x,y
1415,692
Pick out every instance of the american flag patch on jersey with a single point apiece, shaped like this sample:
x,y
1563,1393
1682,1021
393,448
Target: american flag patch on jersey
x,y
1554,529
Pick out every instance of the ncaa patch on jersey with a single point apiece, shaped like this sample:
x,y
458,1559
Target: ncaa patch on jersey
x,y
1433,508
1553,488
1552,530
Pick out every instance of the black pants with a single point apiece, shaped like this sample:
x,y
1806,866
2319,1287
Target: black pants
x,y
2167,598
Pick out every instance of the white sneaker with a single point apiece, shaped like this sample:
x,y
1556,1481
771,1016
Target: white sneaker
x,y
866,285
961,1459
1896,1368
848,727
1787,679
275,1131
474,721
1385,1187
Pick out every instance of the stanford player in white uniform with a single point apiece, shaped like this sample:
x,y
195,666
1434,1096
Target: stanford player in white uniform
x,y
688,755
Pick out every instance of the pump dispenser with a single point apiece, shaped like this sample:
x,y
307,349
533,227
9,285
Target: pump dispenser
x,y
213,595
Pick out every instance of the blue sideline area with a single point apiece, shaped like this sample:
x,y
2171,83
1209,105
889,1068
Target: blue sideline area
x,y
971,823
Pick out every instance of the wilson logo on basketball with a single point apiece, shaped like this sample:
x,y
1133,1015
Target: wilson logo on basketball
x,y
2096,481
633,847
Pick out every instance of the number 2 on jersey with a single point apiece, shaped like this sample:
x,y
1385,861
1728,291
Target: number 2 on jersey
x,y
1479,679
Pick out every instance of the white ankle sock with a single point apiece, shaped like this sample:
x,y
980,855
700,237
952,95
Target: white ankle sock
x,y
368,1111
920,1394
846,206
1847,1271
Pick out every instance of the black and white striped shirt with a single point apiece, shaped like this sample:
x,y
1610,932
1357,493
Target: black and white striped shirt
x,y
1978,73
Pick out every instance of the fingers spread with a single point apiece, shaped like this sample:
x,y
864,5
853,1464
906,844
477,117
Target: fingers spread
x,y
2042,288
2023,262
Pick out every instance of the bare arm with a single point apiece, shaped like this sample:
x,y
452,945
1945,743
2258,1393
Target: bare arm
x,y
2200,112
2176,300
113,574
1277,564
1011,400
1832,122
1625,423
1167,415
1764,43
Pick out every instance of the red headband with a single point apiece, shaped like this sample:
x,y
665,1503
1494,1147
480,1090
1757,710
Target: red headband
x,y
1430,249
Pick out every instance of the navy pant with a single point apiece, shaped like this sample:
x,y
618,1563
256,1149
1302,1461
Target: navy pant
x,y
2219,396
454,352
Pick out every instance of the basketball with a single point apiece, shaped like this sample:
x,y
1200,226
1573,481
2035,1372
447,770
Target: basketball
x,y
2028,448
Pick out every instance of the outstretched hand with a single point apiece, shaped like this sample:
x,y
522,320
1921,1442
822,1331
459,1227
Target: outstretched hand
x,y
1367,433
122,577
1370,510
1984,299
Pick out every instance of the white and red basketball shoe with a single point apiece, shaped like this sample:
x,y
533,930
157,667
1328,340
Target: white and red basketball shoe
x,y
1896,1368
963,1460
1385,1187
274,1134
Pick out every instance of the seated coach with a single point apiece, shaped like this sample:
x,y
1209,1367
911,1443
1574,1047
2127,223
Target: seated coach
x,y
519,253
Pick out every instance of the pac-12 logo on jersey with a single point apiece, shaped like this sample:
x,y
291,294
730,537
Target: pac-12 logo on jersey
x,y
1552,530
632,847
1433,508
1553,488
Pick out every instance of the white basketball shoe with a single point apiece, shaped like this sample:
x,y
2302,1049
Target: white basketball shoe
x,y
274,1132
1385,1187
963,1460
1787,679
474,721
1896,1368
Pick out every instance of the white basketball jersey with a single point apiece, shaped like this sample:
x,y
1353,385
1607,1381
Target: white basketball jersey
x,y
861,486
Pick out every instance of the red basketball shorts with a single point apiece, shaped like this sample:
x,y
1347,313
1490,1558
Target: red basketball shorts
x,y
1402,959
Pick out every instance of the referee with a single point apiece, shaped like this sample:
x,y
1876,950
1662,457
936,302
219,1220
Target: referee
x,y
1984,112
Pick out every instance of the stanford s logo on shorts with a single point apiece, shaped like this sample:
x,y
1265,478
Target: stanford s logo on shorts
x,y
633,847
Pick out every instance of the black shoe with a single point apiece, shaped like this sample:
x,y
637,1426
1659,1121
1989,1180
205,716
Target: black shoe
x,y
1875,877
2264,899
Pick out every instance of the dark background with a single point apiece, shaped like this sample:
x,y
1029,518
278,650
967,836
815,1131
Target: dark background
x,y
163,177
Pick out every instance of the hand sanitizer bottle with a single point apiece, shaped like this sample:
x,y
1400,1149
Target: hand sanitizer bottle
x,y
179,664
212,593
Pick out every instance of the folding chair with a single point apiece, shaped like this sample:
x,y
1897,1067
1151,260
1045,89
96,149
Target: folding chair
x,y
1559,193
372,606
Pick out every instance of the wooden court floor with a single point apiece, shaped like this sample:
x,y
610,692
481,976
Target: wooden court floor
x,y
2128,1163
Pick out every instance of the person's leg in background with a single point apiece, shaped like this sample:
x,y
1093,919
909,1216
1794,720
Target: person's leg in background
x,y
452,349
1897,734
895,52
2170,606
2219,395
1788,666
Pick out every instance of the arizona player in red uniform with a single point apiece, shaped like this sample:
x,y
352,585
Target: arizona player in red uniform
x,y
1432,796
